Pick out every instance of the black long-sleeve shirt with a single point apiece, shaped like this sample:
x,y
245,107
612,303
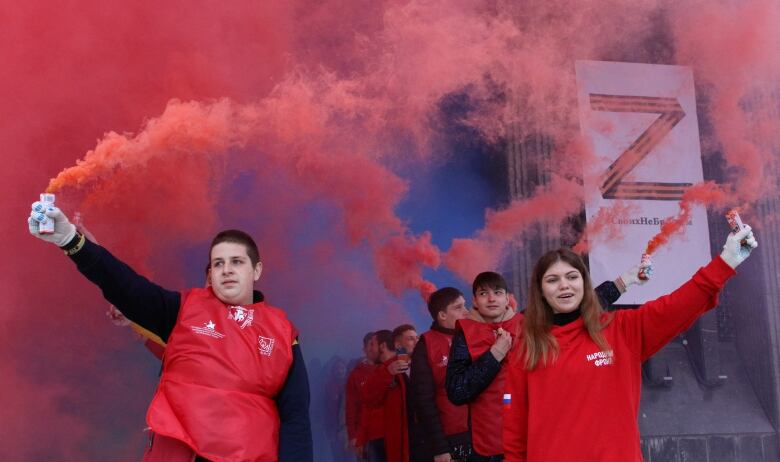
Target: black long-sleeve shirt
x,y
156,309
466,379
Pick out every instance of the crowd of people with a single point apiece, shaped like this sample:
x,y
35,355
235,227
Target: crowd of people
x,y
439,396
557,379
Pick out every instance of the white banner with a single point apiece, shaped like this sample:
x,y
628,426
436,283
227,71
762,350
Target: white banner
x,y
641,120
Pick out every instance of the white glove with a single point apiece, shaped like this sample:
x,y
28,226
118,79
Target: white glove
x,y
738,247
64,230
631,276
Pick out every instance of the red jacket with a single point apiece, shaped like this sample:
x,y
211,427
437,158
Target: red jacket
x,y
584,406
486,409
364,422
389,391
223,367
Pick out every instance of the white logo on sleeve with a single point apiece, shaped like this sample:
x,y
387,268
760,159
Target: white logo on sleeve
x,y
601,358
265,345
208,328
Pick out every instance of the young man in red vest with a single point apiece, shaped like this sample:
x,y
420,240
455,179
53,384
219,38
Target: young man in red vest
x,y
387,387
480,346
234,385
444,426
365,424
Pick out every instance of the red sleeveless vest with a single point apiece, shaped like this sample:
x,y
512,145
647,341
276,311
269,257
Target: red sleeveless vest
x,y
223,367
486,410
454,419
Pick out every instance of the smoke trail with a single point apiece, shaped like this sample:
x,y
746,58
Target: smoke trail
x,y
201,135
708,194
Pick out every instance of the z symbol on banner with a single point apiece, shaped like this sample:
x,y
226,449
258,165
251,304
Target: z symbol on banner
x,y
669,114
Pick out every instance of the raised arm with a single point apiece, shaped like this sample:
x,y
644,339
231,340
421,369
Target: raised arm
x,y
143,302
608,293
657,322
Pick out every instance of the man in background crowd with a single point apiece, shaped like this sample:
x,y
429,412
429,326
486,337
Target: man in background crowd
x,y
365,424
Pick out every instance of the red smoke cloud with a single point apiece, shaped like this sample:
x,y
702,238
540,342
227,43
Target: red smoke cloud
x,y
733,50
603,225
290,120
551,204
194,137
68,76
399,262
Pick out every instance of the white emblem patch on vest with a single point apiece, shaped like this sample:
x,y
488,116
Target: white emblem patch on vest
x,y
241,315
265,345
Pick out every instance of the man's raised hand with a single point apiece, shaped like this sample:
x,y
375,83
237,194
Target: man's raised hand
x,y
64,230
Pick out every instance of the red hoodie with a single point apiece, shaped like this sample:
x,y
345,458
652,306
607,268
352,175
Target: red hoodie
x,y
584,406
389,391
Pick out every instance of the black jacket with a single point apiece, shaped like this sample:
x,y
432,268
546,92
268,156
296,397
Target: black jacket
x,y
423,389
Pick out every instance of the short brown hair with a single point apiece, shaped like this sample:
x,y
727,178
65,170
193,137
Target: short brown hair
x,y
237,236
399,331
489,280
441,299
385,337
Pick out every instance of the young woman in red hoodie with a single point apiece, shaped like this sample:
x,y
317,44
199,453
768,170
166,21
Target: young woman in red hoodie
x,y
576,381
